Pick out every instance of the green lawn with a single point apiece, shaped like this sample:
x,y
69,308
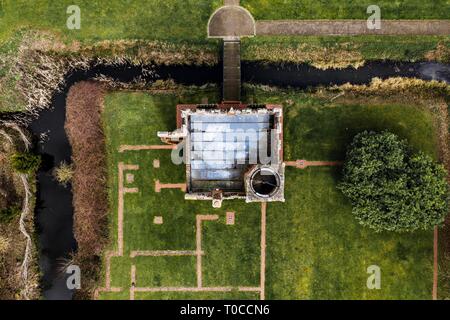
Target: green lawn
x,y
349,9
109,20
318,251
322,130
315,249
134,118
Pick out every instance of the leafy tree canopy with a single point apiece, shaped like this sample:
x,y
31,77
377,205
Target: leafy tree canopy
x,y
390,187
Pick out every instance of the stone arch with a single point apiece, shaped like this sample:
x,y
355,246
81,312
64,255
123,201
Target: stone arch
x,y
231,21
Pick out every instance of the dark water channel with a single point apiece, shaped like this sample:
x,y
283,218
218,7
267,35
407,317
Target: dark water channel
x,y
54,209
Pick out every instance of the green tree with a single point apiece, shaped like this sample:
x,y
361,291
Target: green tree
x,y
390,187
24,162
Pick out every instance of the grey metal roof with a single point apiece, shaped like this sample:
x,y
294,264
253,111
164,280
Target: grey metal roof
x,y
220,148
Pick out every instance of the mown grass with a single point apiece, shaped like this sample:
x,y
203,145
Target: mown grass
x,y
350,9
134,118
322,129
110,20
315,248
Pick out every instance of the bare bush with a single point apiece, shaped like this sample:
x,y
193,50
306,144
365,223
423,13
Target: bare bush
x,y
84,129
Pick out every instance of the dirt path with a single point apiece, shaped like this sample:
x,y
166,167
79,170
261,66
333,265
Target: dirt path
x,y
163,253
351,27
124,148
303,164
159,186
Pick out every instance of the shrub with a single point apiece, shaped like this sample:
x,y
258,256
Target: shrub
x,y
390,187
25,162
7,214
64,173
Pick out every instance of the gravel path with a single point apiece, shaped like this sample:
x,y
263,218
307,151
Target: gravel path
x,y
350,27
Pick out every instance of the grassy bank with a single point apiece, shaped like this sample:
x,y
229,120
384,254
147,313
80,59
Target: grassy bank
x,y
342,52
13,243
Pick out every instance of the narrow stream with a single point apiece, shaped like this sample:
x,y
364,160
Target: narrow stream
x,y
54,211
303,76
